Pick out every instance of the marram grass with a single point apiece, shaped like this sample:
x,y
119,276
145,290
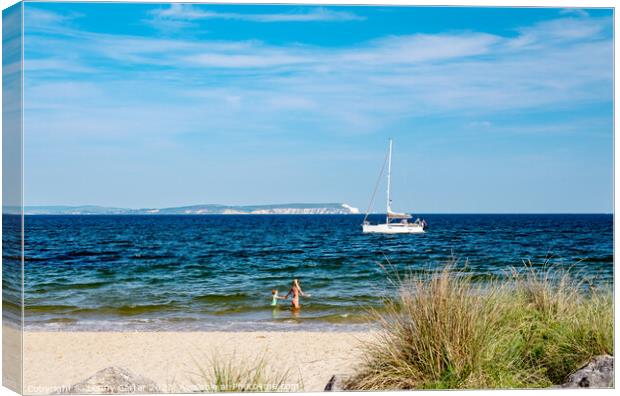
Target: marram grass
x,y
238,375
446,331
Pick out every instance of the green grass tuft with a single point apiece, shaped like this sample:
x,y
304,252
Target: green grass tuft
x,y
236,375
446,331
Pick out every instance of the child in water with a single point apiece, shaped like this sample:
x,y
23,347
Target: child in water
x,y
275,298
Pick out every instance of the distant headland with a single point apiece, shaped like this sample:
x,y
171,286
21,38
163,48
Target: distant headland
x,y
207,209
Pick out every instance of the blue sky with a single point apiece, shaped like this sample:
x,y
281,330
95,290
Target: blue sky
x,y
156,105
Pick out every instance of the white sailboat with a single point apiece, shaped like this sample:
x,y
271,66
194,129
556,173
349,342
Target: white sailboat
x,y
395,223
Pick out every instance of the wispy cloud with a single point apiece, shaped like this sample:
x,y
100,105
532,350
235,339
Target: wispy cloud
x,y
53,65
574,11
479,124
49,21
41,18
562,31
179,12
355,89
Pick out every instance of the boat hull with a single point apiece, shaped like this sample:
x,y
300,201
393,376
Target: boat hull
x,y
393,229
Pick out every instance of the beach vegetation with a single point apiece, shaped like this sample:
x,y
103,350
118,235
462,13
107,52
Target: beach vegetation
x,y
231,374
530,328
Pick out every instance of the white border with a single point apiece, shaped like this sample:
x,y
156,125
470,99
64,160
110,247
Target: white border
x,y
476,3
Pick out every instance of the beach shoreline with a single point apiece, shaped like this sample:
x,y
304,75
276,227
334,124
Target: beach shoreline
x,y
56,360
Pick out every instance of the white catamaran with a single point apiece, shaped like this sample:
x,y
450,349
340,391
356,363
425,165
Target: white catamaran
x,y
395,223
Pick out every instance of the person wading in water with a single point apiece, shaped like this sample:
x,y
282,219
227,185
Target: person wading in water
x,y
295,291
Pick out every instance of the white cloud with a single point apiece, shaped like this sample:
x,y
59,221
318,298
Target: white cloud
x,y
574,11
421,48
49,21
53,65
182,85
480,124
41,18
188,12
562,30
228,60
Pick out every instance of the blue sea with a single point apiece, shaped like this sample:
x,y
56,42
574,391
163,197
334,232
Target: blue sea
x,y
211,272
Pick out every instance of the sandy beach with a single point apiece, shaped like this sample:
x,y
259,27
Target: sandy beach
x,y
54,360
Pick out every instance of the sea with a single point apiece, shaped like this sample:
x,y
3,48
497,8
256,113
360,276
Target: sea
x,y
217,272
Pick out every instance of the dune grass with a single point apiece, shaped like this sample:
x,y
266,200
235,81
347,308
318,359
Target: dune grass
x,y
447,331
237,375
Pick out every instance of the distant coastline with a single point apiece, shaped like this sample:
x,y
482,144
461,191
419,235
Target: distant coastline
x,y
206,209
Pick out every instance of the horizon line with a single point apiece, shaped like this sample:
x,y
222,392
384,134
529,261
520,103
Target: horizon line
x,y
285,203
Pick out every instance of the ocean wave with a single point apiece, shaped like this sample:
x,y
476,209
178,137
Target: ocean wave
x,y
10,257
49,308
58,286
125,310
336,318
600,259
85,253
65,321
34,259
11,306
151,256
217,298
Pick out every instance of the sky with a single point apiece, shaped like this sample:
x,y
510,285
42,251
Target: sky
x,y
492,110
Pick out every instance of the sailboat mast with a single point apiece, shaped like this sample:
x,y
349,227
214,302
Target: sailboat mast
x,y
389,179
